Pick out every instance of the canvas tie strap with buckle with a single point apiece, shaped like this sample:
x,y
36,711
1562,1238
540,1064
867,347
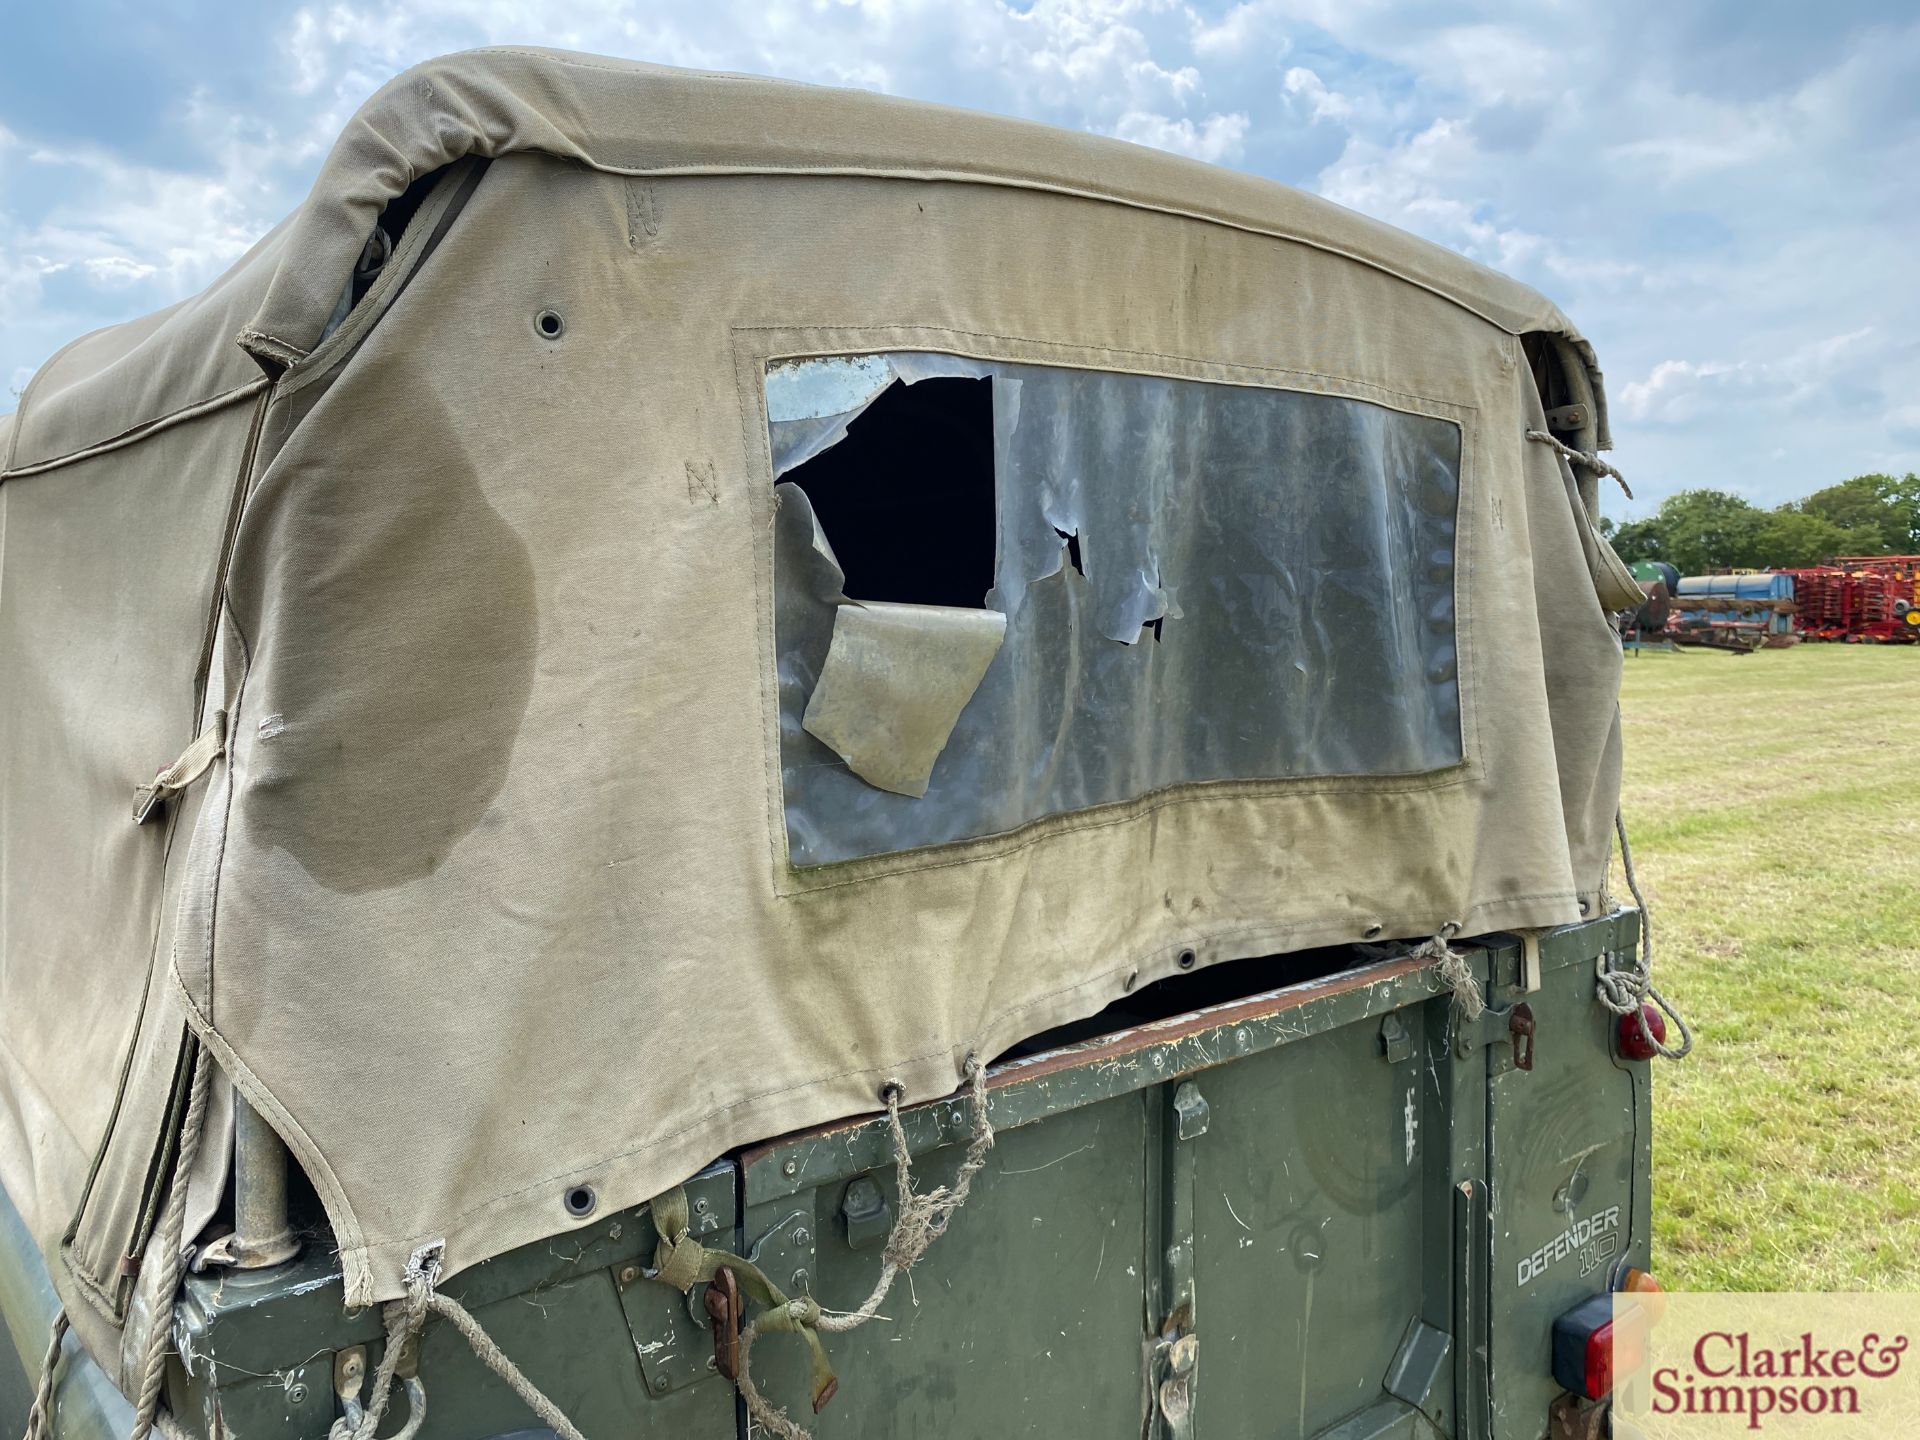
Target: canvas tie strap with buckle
x,y
194,762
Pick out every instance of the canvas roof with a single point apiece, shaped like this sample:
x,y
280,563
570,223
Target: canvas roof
x,y
488,893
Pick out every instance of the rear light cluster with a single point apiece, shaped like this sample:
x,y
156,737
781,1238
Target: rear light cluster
x,y
1634,1044
1594,1349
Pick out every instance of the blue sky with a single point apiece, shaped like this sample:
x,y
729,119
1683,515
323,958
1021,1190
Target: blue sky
x,y
1723,195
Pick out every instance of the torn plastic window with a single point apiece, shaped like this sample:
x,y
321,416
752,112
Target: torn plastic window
x,y
1191,582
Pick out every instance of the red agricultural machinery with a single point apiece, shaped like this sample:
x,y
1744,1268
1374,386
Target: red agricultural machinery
x,y
1859,598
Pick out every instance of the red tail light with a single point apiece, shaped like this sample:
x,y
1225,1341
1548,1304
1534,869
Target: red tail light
x,y
1593,1349
1633,1041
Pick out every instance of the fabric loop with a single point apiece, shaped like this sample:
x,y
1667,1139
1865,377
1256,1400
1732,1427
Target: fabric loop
x,y
672,1216
681,1264
194,762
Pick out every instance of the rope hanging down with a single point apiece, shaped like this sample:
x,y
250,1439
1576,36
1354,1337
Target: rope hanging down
x,y
1625,992
923,1218
683,1262
405,1318
168,1247
170,1238
680,1261
40,1416
1580,457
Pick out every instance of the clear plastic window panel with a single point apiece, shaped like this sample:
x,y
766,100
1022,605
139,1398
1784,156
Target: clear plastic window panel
x,y
1190,582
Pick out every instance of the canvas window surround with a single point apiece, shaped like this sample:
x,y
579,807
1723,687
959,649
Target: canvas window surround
x,y
1009,591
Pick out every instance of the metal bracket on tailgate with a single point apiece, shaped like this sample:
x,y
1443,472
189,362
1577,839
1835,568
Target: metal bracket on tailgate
x,y
1513,1025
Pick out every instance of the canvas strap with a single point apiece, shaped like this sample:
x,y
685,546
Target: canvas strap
x,y
681,1261
194,762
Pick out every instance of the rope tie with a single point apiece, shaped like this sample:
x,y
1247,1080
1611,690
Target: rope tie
x,y
405,1319
1625,992
923,1218
1580,457
495,1359
170,1237
1457,973
40,1416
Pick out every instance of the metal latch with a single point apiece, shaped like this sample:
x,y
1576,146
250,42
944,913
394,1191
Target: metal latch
x,y
1396,1043
1191,1112
1520,1027
1173,1354
722,1302
1514,1025
865,1214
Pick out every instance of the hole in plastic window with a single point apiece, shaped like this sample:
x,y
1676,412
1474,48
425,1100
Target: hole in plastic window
x,y
1191,581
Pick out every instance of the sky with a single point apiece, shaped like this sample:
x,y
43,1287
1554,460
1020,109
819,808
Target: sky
x,y
1721,193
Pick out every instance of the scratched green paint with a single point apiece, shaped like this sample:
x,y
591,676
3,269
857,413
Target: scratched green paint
x,y
1301,1213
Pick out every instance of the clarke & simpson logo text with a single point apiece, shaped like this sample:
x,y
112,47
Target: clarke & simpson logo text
x,y
1732,1374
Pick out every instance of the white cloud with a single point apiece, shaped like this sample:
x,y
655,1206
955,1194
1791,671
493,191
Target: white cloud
x,y
1322,103
1243,28
1419,184
1681,391
1216,139
1722,200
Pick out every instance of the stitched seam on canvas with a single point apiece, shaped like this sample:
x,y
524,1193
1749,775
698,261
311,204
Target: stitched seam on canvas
x,y
1011,842
749,370
1088,350
349,1234
790,880
146,429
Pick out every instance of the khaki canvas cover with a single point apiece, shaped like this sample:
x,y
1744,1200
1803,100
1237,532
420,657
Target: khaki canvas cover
x,y
488,889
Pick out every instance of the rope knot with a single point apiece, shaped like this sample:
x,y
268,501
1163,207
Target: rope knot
x,y
1626,992
1457,974
420,1278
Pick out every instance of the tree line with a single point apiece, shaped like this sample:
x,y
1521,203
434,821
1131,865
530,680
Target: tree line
x,y
1696,531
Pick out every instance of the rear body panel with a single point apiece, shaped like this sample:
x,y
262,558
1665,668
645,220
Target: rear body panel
x,y
1331,1209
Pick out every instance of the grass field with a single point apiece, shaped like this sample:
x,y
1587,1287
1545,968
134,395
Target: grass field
x,y
1773,801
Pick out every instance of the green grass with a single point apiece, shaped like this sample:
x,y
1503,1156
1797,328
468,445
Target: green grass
x,y
1773,801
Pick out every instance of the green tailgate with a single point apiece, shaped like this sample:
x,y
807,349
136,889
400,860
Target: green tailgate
x,y
1332,1209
